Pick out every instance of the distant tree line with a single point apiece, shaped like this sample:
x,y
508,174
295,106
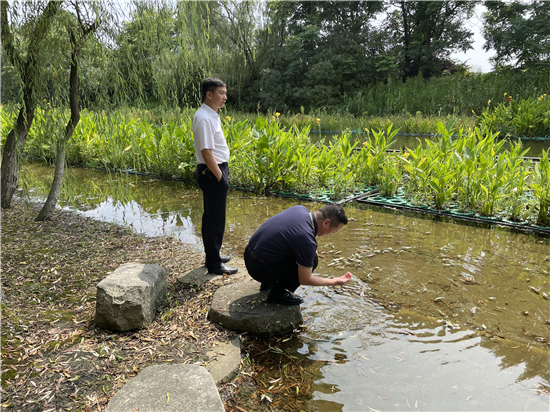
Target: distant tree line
x,y
286,56
278,55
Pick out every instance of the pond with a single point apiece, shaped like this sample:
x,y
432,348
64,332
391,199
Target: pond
x,y
439,315
411,141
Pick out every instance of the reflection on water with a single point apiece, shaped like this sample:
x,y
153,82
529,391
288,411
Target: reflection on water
x,y
438,316
177,223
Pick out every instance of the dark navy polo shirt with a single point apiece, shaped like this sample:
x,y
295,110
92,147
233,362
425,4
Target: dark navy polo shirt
x,y
289,233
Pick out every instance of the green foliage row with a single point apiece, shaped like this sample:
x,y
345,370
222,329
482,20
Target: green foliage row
x,y
417,105
457,94
470,172
526,117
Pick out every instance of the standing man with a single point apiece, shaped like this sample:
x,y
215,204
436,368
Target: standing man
x,y
282,254
212,172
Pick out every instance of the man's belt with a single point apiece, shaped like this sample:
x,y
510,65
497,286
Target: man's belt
x,y
253,255
206,170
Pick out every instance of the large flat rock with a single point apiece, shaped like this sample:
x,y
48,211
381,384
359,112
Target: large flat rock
x,y
224,361
242,307
200,276
168,388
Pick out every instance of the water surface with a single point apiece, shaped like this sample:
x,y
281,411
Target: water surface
x,y
439,315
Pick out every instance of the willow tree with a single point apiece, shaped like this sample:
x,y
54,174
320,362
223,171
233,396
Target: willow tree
x,y
80,22
51,38
237,38
162,52
24,27
84,19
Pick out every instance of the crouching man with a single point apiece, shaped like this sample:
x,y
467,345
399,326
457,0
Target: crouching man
x,y
282,254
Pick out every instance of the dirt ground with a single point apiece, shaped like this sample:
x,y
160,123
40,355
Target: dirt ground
x,y
53,356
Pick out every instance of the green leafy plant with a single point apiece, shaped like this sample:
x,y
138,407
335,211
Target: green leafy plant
x,y
527,117
373,154
440,178
325,164
495,181
541,188
390,176
516,176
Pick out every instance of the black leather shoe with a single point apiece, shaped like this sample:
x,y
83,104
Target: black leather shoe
x,y
264,287
285,298
223,258
223,269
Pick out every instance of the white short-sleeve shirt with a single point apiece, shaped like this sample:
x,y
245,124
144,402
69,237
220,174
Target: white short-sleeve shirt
x,y
208,134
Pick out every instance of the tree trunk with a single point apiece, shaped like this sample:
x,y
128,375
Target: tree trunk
x,y
76,44
12,149
49,207
28,69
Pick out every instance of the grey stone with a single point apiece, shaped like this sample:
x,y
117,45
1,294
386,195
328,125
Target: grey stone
x,y
168,388
129,297
242,307
197,277
200,276
224,361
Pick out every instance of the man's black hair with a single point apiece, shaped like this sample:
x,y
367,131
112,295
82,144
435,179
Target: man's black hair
x,y
335,213
211,84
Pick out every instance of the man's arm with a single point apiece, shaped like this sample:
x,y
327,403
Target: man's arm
x,y
211,163
306,277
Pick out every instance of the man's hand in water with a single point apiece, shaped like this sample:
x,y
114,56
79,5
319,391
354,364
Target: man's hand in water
x,y
342,280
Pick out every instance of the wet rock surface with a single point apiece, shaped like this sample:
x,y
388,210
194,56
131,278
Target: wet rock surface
x,y
242,307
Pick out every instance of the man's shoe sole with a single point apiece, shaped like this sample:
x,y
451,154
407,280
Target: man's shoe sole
x,y
222,271
284,301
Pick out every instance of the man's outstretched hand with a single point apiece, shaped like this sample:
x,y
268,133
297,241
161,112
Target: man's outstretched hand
x,y
342,280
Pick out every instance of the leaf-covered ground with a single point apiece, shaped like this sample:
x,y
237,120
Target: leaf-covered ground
x,y
53,356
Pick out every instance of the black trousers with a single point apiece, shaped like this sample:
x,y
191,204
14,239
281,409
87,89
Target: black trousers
x,y
213,218
281,275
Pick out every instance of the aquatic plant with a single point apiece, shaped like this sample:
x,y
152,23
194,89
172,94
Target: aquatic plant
x,y
468,170
373,154
526,117
541,188
516,176
390,175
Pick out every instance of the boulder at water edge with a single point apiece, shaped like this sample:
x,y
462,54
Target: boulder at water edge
x,y
242,307
128,298
168,388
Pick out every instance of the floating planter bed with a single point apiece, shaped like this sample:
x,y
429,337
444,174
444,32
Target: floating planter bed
x,y
397,202
324,195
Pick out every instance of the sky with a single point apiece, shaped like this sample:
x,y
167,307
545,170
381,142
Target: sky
x,y
477,58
